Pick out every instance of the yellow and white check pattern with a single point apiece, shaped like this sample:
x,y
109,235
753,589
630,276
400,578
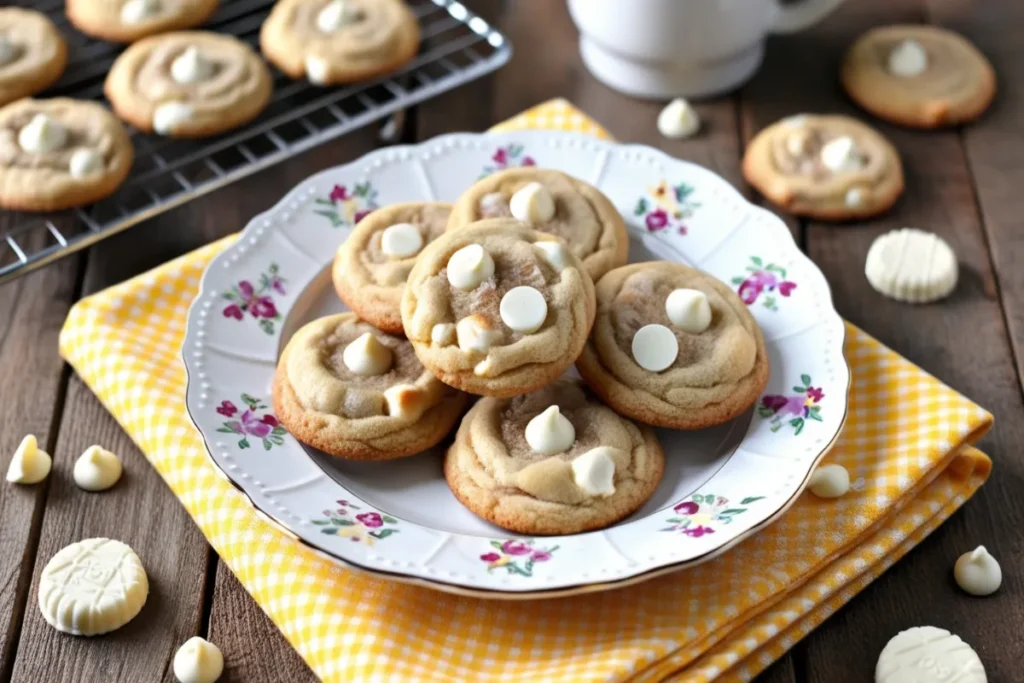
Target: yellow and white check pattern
x,y
906,444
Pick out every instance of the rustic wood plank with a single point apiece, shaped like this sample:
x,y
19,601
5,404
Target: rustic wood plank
x,y
942,338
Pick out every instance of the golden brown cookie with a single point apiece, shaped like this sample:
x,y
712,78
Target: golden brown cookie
x,y
497,309
673,347
32,53
921,76
125,21
339,41
60,153
825,167
556,461
188,84
350,390
555,203
371,266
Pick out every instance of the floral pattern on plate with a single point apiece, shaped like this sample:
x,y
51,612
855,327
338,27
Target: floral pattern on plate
x,y
263,427
763,279
666,207
516,556
512,155
345,208
358,527
703,513
257,300
796,409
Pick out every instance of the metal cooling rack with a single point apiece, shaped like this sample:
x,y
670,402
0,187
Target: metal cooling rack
x,y
457,47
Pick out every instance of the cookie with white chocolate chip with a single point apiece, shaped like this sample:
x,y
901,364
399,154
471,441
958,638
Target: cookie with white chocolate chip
x,y
555,461
352,391
371,266
60,153
825,167
555,203
331,42
497,309
673,347
125,21
32,53
188,84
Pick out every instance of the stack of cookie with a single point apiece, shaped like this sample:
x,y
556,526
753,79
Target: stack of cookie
x,y
495,297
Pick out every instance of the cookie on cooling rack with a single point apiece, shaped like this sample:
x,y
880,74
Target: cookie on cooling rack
x,y
60,153
331,42
32,53
352,391
556,461
125,21
188,84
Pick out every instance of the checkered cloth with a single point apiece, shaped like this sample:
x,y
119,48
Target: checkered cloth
x,y
906,445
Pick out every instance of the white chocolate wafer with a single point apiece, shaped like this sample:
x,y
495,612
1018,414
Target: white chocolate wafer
x,y
926,654
911,265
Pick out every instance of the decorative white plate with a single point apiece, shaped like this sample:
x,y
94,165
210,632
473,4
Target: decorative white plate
x,y
398,519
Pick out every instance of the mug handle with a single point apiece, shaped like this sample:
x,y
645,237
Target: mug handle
x,y
796,16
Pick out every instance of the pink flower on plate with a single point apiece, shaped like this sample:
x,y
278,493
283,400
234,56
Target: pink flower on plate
x,y
490,557
749,291
234,311
253,426
815,393
657,220
339,193
227,409
686,508
246,288
360,215
764,279
540,556
528,161
698,531
270,420
516,548
500,156
786,288
370,519
263,307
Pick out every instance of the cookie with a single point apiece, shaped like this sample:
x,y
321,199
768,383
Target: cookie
x,y
189,84
352,391
497,309
125,21
555,203
60,153
371,266
673,347
32,53
920,76
331,42
555,461
825,167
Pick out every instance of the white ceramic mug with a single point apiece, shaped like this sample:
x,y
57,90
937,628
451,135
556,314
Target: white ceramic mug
x,y
691,48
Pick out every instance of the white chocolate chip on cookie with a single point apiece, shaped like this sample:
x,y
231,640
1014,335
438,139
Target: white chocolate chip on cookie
x,y
474,334
689,310
198,661
554,253
191,66
317,70
854,197
41,135
84,161
908,59
401,240
829,481
655,347
469,267
523,309
30,464
532,204
367,356
550,432
442,334
138,11
97,469
977,572
924,654
911,265
493,204
403,400
335,15
841,155
678,119
167,116
594,471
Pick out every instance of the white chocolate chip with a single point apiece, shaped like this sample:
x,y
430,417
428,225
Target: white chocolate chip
x,y
442,334
470,266
689,310
550,432
924,654
366,356
97,469
138,11
30,464
908,59
554,253
493,204
854,197
796,121
336,14
912,265
398,399
167,116
532,204
655,347
841,155
317,70
594,471
829,481
401,240
198,661
523,309
473,334
84,161
191,66
977,572
678,120
42,134
483,367
797,142
8,52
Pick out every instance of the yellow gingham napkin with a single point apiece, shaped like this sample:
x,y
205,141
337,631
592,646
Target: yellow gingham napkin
x,y
905,444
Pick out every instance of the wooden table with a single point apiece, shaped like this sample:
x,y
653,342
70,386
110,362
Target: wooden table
x,y
967,185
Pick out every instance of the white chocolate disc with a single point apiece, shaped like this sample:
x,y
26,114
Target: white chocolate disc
x,y
138,11
191,66
473,334
42,134
926,654
470,266
92,587
401,240
594,471
336,14
7,51
168,115
829,481
908,59
198,661
30,464
316,70
532,204
911,265
84,161
523,309
689,310
978,573
366,356
655,347
678,120
841,155
442,334
554,253
550,432
97,469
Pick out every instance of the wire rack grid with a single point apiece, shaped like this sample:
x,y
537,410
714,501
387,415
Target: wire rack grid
x,y
458,46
